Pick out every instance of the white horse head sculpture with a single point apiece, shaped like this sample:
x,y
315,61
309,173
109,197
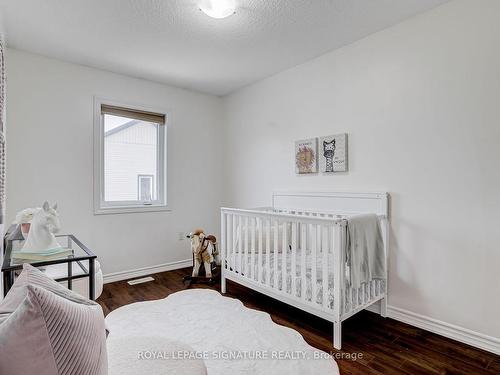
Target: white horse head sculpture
x,y
44,224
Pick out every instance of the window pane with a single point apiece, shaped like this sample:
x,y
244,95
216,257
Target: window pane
x,y
130,151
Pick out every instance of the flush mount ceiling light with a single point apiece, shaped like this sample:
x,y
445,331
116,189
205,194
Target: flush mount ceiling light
x,y
217,8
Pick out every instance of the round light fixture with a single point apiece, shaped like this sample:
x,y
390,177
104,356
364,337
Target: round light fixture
x,y
217,8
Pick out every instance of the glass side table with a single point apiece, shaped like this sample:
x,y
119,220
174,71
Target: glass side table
x,y
81,257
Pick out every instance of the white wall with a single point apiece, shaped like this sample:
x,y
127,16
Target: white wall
x,y
420,102
50,123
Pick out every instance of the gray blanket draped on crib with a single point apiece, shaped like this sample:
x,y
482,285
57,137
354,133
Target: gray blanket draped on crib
x,y
365,250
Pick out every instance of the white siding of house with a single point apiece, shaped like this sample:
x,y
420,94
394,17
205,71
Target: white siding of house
x,y
128,153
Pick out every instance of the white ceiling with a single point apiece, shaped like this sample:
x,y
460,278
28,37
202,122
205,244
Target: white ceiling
x,y
171,41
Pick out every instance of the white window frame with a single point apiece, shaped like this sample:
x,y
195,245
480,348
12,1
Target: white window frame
x,y
118,207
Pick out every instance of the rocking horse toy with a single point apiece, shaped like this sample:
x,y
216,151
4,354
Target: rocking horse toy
x,y
204,249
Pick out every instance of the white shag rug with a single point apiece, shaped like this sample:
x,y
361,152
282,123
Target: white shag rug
x,y
147,355
230,338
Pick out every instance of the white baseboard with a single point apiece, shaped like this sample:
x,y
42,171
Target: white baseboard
x,y
125,275
464,335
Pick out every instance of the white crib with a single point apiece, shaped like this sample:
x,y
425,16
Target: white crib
x,y
285,250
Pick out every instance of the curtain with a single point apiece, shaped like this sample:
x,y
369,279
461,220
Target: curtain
x,y
2,135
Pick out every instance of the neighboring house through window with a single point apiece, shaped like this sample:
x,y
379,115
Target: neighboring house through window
x,y
130,165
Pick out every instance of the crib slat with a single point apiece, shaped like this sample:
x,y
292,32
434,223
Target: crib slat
x,y
303,252
325,275
284,249
294,260
268,252
230,241
331,249
240,245
252,248
314,278
223,239
275,255
246,249
338,256
260,228
233,242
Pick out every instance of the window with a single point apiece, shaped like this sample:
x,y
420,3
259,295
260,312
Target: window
x,y
130,165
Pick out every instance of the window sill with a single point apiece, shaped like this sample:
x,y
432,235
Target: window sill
x,y
129,209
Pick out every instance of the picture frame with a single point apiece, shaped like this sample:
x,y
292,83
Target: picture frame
x,y
306,156
333,153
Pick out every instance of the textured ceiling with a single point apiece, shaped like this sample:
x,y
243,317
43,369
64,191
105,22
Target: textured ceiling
x,y
171,41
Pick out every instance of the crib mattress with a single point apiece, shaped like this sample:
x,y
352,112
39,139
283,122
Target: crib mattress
x,y
244,269
350,294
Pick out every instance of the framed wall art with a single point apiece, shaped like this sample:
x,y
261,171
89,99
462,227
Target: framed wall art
x,y
333,153
306,156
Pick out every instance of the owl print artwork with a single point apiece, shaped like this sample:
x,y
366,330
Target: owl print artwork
x,y
333,153
306,156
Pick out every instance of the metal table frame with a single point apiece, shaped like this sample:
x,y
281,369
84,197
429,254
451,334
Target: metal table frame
x,y
9,270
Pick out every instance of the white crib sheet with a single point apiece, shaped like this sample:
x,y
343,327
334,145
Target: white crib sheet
x,y
350,294
246,260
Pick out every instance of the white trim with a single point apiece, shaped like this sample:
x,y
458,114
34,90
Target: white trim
x,y
464,335
127,210
101,207
372,202
144,271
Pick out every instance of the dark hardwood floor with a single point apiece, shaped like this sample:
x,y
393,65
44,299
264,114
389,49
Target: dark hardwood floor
x,y
386,346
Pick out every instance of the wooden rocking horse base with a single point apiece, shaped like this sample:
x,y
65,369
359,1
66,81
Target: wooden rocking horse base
x,y
202,279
